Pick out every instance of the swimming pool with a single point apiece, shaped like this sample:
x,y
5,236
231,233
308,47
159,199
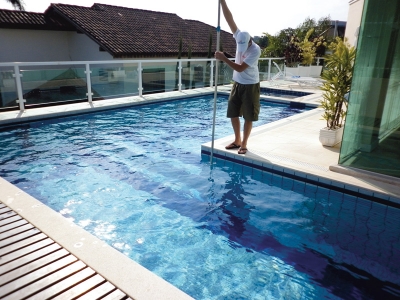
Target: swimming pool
x,y
289,94
135,178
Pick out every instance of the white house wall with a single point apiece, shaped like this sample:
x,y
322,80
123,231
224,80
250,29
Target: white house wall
x,y
354,21
82,48
18,45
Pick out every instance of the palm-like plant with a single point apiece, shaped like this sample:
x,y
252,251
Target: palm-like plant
x,y
338,74
19,4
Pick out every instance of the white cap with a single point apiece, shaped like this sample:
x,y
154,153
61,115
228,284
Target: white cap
x,y
242,41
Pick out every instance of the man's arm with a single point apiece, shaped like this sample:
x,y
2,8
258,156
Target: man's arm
x,y
238,68
228,16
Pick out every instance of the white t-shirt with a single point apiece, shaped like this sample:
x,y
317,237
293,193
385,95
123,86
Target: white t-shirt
x,y
251,75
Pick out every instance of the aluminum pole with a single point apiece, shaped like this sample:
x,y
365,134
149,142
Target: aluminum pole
x,y
216,83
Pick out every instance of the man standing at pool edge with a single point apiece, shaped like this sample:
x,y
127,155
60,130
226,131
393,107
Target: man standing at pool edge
x,y
244,99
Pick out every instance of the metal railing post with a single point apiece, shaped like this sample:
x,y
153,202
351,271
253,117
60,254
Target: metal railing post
x,y
211,74
89,93
269,68
140,83
180,76
17,75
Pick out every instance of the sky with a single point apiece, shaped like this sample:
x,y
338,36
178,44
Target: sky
x,y
255,16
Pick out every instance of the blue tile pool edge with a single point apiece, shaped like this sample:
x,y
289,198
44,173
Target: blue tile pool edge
x,y
334,185
67,110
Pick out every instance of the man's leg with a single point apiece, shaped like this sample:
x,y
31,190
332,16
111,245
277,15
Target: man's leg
x,y
248,125
236,129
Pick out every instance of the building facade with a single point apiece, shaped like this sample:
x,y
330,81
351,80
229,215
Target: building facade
x,y
371,139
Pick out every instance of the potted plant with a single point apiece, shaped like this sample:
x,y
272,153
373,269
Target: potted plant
x,y
337,76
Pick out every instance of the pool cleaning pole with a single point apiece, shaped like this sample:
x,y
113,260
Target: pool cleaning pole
x,y
216,83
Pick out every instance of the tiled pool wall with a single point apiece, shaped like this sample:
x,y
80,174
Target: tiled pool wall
x,y
82,108
61,110
293,94
307,179
346,221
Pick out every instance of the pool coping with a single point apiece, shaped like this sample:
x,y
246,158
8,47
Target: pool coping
x,y
127,275
325,182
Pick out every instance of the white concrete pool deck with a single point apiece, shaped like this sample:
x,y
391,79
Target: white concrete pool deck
x,y
290,146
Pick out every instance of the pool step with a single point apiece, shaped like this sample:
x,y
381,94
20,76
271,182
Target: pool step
x,y
33,265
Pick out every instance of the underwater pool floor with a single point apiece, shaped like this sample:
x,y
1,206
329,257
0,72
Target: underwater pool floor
x,y
288,147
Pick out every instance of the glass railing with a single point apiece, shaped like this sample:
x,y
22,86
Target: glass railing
x,y
25,85
51,84
8,89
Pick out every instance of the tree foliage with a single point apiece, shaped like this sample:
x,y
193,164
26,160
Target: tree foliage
x,y
277,43
298,45
18,4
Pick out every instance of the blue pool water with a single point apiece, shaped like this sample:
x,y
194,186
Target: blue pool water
x,y
135,178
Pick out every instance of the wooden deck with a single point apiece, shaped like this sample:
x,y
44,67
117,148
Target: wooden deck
x,y
34,266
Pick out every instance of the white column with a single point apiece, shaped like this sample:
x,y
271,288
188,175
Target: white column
x,y
211,74
89,94
180,75
17,75
140,83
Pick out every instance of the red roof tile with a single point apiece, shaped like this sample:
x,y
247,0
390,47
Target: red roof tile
x,y
126,32
16,19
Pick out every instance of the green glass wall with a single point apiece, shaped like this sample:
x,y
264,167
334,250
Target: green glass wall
x,y
371,139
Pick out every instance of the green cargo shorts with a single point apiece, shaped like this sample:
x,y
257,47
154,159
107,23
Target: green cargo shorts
x,y
244,100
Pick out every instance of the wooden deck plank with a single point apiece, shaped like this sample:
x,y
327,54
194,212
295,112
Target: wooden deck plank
x,y
44,282
11,226
4,210
116,295
99,292
7,215
19,237
15,231
64,285
82,287
22,244
8,267
33,266
25,251
10,220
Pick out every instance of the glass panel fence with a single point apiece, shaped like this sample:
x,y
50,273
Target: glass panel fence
x,y
371,137
65,83
195,74
8,90
160,77
263,67
225,73
114,80
48,84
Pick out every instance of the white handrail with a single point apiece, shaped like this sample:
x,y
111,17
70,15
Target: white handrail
x,y
17,75
88,65
88,83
